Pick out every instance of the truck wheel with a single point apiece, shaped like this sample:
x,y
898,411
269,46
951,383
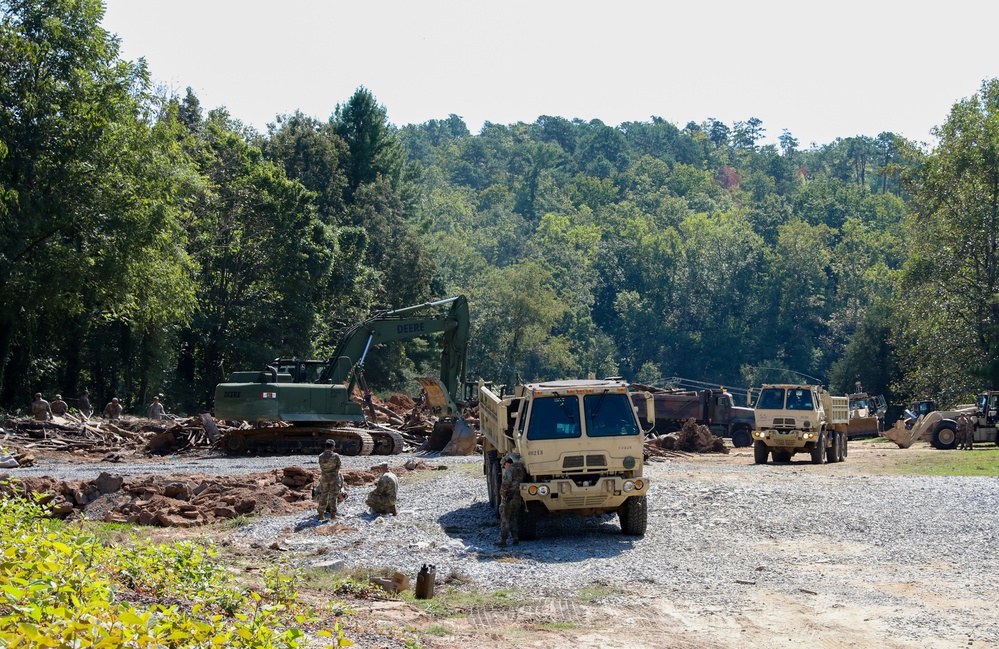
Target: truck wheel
x,y
634,515
945,436
741,438
527,522
846,447
818,450
832,452
760,452
489,468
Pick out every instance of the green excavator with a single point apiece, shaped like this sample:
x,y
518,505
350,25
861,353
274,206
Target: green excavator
x,y
294,406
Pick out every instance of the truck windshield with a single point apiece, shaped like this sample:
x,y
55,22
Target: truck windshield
x,y
609,415
771,399
799,400
554,418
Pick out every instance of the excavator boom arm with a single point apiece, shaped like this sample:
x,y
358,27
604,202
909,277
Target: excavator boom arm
x,y
404,324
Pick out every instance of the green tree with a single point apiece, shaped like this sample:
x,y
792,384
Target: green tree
x,y
953,270
90,235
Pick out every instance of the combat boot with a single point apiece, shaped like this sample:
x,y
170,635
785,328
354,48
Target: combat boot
x,y
502,541
516,540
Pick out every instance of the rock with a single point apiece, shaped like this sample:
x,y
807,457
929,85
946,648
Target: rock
x,y
224,512
177,490
296,477
108,484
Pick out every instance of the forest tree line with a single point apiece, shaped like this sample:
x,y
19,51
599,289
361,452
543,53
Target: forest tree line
x,y
151,246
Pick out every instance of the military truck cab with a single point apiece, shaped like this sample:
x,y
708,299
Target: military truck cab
x,y
800,419
581,445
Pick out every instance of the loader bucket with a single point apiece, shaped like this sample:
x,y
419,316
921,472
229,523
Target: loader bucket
x,y
463,439
452,437
902,436
862,427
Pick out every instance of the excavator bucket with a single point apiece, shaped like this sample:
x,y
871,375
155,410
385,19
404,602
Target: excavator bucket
x,y
451,435
463,439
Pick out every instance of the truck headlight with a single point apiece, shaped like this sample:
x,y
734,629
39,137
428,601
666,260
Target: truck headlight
x,y
639,484
533,490
629,485
543,490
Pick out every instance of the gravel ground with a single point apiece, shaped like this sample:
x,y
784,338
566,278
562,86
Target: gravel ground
x,y
918,554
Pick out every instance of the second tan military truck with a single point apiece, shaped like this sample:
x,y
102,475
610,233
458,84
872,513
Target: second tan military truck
x,y
800,419
580,442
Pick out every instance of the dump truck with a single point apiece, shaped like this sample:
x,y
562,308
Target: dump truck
x,y
940,427
793,418
714,408
867,414
581,444
294,406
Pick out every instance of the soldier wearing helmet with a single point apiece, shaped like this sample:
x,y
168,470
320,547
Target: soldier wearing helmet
x,y
330,482
510,500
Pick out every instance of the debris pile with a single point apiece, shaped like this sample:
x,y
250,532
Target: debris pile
x,y
692,438
186,500
128,436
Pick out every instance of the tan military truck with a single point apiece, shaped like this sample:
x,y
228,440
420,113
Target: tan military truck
x,y
800,419
581,444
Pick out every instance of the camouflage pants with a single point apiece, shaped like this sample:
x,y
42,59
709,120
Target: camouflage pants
x,y
509,510
381,504
329,492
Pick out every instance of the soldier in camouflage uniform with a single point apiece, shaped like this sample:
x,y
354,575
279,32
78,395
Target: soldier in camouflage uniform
x,y
40,408
84,402
59,407
112,411
965,433
382,499
510,500
331,481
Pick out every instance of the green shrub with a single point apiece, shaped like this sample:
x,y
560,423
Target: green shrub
x,y
62,587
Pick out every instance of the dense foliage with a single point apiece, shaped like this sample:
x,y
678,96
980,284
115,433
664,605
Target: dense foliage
x,y
60,586
149,246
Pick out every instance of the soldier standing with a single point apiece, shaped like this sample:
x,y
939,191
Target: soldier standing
x,y
156,409
510,500
59,407
331,481
85,408
40,408
112,411
382,499
966,429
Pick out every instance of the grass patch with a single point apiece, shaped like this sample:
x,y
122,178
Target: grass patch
x,y
596,592
983,461
558,626
456,602
436,630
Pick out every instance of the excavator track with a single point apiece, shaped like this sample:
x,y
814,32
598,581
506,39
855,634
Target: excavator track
x,y
387,442
295,440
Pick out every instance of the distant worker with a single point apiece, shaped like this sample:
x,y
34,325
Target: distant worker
x,y
59,407
112,411
84,402
510,500
330,482
965,433
382,499
40,408
156,409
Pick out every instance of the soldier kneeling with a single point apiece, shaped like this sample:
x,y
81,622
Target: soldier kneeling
x,y
382,499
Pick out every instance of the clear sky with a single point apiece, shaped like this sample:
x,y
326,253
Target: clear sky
x,y
819,70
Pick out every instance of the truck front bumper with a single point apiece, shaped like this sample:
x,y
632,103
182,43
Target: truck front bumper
x,y
776,438
601,495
